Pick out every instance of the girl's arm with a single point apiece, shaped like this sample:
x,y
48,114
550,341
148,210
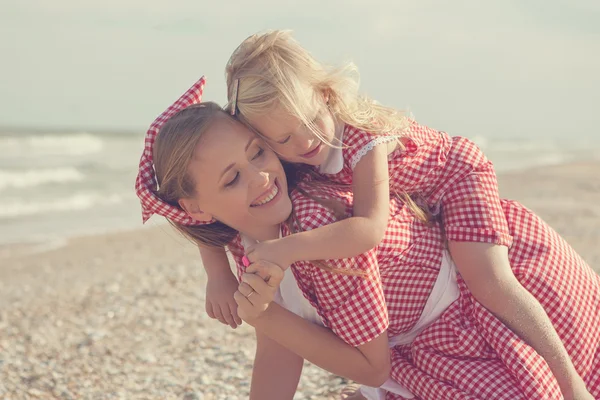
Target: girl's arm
x,y
367,364
220,285
346,238
488,275
215,261
276,371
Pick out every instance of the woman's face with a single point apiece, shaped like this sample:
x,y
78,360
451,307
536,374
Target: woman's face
x,y
239,180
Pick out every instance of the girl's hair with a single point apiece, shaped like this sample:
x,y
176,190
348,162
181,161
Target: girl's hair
x,y
271,69
173,150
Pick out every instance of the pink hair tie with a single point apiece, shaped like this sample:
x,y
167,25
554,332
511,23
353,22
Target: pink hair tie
x,y
145,183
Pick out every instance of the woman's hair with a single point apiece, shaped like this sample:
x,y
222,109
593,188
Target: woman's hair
x,y
173,151
272,70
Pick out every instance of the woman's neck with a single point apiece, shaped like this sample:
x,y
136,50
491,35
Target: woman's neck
x,y
263,233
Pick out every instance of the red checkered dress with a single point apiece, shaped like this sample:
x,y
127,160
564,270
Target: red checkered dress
x,y
467,353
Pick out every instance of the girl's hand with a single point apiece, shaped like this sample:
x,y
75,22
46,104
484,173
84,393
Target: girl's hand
x,y
257,290
269,250
220,304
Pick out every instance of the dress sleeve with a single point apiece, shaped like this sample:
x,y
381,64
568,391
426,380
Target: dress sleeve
x,y
352,306
469,198
452,176
357,143
237,252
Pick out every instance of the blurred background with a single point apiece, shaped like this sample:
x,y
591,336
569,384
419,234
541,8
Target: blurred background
x,y
93,307
81,81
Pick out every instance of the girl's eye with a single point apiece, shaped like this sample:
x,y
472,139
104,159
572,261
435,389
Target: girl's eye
x,y
284,141
234,180
259,153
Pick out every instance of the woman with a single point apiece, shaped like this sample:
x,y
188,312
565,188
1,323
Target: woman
x,y
214,179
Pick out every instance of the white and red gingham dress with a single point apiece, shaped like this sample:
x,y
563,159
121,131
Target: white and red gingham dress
x,y
467,353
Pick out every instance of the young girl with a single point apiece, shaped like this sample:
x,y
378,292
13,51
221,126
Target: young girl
x,y
311,114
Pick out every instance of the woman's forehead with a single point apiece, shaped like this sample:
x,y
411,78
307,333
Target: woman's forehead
x,y
223,134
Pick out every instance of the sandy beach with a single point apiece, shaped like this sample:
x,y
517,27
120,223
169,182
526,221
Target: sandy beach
x,y
121,316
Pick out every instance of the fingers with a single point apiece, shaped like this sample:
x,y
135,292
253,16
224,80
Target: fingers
x,y
234,313
242,301
219,315
254,283
209,310
226,313
268,271
245,289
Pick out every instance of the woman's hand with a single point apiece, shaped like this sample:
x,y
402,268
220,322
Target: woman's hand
x,y
257,290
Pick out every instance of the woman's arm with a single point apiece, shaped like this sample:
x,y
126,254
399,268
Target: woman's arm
x,y
367,364
346,238
276,371
488,275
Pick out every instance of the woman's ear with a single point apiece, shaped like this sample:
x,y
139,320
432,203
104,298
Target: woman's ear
x,y
191,207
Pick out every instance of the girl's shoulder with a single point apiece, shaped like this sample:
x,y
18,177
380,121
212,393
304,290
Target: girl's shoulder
x,y
413,131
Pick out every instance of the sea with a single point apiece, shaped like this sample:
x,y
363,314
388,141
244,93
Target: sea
x,y
57,184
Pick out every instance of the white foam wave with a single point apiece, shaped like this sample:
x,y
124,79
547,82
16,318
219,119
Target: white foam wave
x,y
62,144
29,178
76,202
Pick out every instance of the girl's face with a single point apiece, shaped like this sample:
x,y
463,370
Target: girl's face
x,y
292,140
239,180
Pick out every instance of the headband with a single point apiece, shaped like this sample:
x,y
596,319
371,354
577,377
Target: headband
x,y
145,183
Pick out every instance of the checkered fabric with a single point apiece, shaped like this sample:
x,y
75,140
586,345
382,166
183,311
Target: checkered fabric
x,y
145,183
467,353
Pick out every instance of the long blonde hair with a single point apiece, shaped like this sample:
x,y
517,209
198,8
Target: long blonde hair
x,y
173,151
271,69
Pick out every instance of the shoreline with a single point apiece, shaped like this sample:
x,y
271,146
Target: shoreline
x,y
539,181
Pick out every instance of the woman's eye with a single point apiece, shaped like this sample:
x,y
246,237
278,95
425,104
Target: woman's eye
x,y
284,141
259,153
234,180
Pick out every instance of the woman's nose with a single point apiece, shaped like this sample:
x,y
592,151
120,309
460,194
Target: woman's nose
x,y
260,178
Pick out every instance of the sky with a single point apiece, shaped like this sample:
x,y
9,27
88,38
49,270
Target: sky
x,y
512,68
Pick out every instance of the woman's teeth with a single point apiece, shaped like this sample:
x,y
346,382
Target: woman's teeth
x,y
268,198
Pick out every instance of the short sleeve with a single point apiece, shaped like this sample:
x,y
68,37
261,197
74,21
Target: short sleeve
x,y
470,202
357,143
236,250
352,306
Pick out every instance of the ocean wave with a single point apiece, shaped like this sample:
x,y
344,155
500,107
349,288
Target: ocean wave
x,y
76,202
76,144
34,177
